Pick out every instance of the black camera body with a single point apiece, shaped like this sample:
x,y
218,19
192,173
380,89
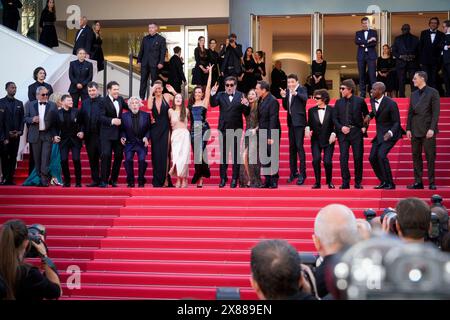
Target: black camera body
x,y
391,215
34,235
370,214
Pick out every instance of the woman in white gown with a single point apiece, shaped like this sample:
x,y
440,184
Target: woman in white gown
x,y
180,141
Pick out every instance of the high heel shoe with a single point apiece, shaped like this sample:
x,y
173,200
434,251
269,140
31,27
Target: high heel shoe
x,y
200,184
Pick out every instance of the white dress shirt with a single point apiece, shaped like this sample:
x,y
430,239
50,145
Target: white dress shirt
x,y
433,35
79,33
377,106
366,36
41,116
116,105
322,114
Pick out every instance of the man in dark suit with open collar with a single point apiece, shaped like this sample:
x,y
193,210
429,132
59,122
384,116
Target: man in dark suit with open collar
x,y
14,123
387,116
294,102
151,57
84,38
40,117
111,108
269,126
422,128
135,136
80,74
233,105
430,49
90,126
366,40
323,137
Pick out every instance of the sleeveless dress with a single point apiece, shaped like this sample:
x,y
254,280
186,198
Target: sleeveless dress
x,y
180,145
200,134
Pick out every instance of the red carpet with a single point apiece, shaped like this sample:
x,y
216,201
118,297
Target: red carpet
x,y
183,243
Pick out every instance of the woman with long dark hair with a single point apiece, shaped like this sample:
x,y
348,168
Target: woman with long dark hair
x,y
214,60
22,281
260,69
200,71
200,129
249,67
386,71
318,70
97,50
48,36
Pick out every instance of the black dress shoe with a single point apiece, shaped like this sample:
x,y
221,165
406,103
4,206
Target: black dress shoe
x,y
113,184
389,186
66,185
130,185
78,185
233,183
92,185
331,186
223,182
415,186
432,186
316,186
344,186
274,185
358,186
102,185
141,185
381,186
292,177
300,181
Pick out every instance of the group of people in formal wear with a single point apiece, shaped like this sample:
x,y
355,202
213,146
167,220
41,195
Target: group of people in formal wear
x,y
397,65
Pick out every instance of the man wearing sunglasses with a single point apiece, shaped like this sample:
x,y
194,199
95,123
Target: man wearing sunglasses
x,y
350,118
40,117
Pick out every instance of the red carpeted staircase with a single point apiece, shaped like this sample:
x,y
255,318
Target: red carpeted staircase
x,y
183,243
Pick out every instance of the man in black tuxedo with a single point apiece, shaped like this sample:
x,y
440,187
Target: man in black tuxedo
x,y
294,102
387,116
430,49
14,123
11,14
80,74
84,38
151,57
366,40
406,52
323,137
135,136
278,80
111,108
40,117
233,105
69,137
269,131
446,57
176,74
89,118
350,117
232,64
422,127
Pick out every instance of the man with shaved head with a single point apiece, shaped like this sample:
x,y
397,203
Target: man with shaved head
x,y
387,117
335,229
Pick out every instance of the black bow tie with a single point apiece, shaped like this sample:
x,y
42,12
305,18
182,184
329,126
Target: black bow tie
x,y
323,109
433,32
231,95
42,103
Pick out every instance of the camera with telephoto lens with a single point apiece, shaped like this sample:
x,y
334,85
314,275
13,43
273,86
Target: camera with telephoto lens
x,y
370,214
391,215
439,221
436,200
34,235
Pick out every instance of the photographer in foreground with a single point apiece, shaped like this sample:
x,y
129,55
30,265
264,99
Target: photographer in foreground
x,y
24,282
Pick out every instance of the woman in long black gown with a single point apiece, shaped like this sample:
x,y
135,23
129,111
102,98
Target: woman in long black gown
x,y
200,71
249,78
200,129
48,36
260,69
318,70
386,71
214,60
158,104
97,49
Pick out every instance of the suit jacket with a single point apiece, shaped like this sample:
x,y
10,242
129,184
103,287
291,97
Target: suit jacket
x,y
11,11
430,53
387,118
68,133
297,111
321,131
14,122
371,46
152,54
423,113
446,53
230,116
80,72
269,114
89,116
107,113
176,74
232,60
31,111
357,111
127,131
405,44
85,40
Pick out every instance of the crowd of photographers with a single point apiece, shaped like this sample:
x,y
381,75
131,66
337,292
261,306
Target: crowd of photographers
x,y
403,253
